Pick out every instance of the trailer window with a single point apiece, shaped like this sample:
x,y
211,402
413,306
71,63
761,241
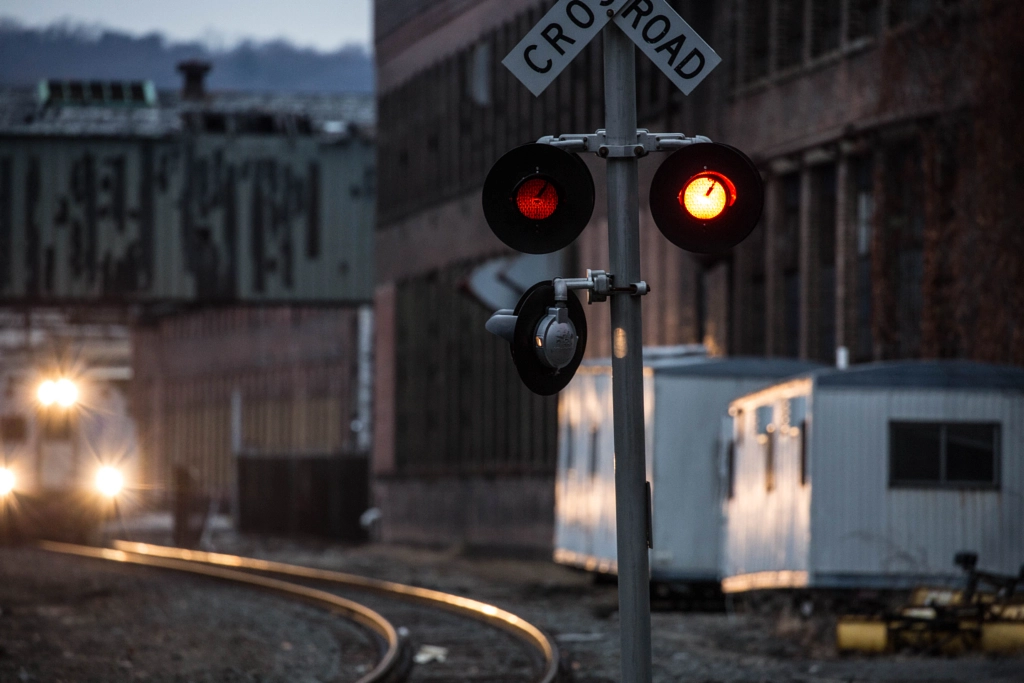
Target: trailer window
x,y
594,433
730,470
570,460
13,429
803,453
764,416
944,455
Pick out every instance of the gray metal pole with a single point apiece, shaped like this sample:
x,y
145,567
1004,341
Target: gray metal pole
x,y
627,362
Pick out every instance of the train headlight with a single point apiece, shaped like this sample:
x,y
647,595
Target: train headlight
x,y
63,392
6,481
47,393
109,481
66,392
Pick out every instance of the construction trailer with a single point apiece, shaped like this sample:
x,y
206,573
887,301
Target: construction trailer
x,y
875,476
686,399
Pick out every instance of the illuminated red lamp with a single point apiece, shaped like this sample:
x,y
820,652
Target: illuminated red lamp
x,y
537,198
706,197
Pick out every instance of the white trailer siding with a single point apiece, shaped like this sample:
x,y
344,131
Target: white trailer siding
x,y
768,530
904,535
685,401
687,485
847,526
585,482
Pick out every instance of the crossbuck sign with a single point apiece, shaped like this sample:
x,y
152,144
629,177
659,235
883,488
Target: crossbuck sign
x,y
653,25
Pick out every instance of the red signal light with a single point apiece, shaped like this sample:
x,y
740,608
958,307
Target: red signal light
x,y
536,199
706,195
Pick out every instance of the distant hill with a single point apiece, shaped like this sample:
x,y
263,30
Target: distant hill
x,y
66,52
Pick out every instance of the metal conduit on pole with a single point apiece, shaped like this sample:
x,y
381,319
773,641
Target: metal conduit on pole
x,y
627,362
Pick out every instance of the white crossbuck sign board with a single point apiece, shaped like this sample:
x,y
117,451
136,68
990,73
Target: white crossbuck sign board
x,y
653,25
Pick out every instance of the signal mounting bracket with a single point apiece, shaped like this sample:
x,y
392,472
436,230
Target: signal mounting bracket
x,y
646,142
599,285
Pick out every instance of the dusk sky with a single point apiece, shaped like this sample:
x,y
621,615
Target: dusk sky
x,y
321,24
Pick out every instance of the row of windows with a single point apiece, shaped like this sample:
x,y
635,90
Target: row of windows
x,y
778,36
902,222
957,455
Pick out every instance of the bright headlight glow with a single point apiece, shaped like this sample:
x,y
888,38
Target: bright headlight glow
x,y
47,392
109,481
6,481
66,392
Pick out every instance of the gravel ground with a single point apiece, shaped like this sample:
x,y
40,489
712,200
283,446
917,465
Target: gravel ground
x,y
695,647
64,619
77,619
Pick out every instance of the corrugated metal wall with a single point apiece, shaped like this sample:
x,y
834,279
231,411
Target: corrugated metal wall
x,y
208,217
294,371
861,525
460,406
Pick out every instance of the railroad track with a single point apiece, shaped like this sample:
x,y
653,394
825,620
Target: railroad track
x,y
458,647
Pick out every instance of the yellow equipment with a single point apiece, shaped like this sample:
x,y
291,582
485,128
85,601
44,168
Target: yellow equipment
x,y
944,621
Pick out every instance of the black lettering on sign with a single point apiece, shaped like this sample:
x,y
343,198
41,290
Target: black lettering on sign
x,y
576,4
673,47
641,8
539,69
605,3
665,26
553,33
694,54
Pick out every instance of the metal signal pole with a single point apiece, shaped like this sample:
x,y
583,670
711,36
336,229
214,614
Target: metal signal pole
x,y
627,361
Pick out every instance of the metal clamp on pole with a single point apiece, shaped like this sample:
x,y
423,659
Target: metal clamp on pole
x,y
599,286
646,142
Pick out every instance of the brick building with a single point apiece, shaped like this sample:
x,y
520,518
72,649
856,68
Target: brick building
x,y
884,129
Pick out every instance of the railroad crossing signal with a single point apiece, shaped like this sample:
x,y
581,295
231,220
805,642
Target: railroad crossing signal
x,y
705,197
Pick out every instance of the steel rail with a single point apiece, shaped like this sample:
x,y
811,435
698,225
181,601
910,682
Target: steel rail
x,y
474,609
353,611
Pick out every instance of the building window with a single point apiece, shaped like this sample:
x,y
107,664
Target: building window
x,y
826,18
594,438
788,245
908,10
755,40
479,81
864,19
944,455
823,189
862,173
789,32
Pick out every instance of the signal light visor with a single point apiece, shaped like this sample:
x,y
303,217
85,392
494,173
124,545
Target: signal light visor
x,y
706,195
536,198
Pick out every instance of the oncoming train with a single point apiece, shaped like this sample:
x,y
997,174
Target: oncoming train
x,y
68,452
